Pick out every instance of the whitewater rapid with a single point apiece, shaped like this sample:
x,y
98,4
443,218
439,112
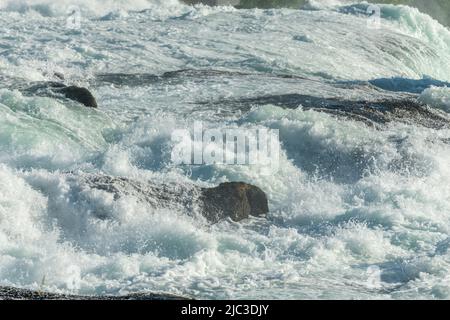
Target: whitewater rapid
x,y
349,204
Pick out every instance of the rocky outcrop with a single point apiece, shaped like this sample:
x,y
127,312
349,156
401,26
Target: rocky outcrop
x,y
384,100
60,90
170,77
10,293
214,2
398,84
234,200
375,112
79,94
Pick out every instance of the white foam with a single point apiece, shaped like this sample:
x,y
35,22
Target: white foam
x,y
97,7
437,97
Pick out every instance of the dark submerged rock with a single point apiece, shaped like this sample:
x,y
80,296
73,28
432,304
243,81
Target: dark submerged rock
x,y
143,79
60,90
385,107
10,293
173,77
376,112
79,94
397,84
127,79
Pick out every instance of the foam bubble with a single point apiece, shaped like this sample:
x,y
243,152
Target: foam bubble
x,y
438,97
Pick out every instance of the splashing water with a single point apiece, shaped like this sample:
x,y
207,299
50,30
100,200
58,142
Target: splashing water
x,y
347,202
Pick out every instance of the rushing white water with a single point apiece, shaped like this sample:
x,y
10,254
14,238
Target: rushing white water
x,y
347,204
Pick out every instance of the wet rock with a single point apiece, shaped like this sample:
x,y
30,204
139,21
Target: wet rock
x,y
170,77
79,94
57,76
60,90
10,293
407,85
234,200
375,113
214,2
126,79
